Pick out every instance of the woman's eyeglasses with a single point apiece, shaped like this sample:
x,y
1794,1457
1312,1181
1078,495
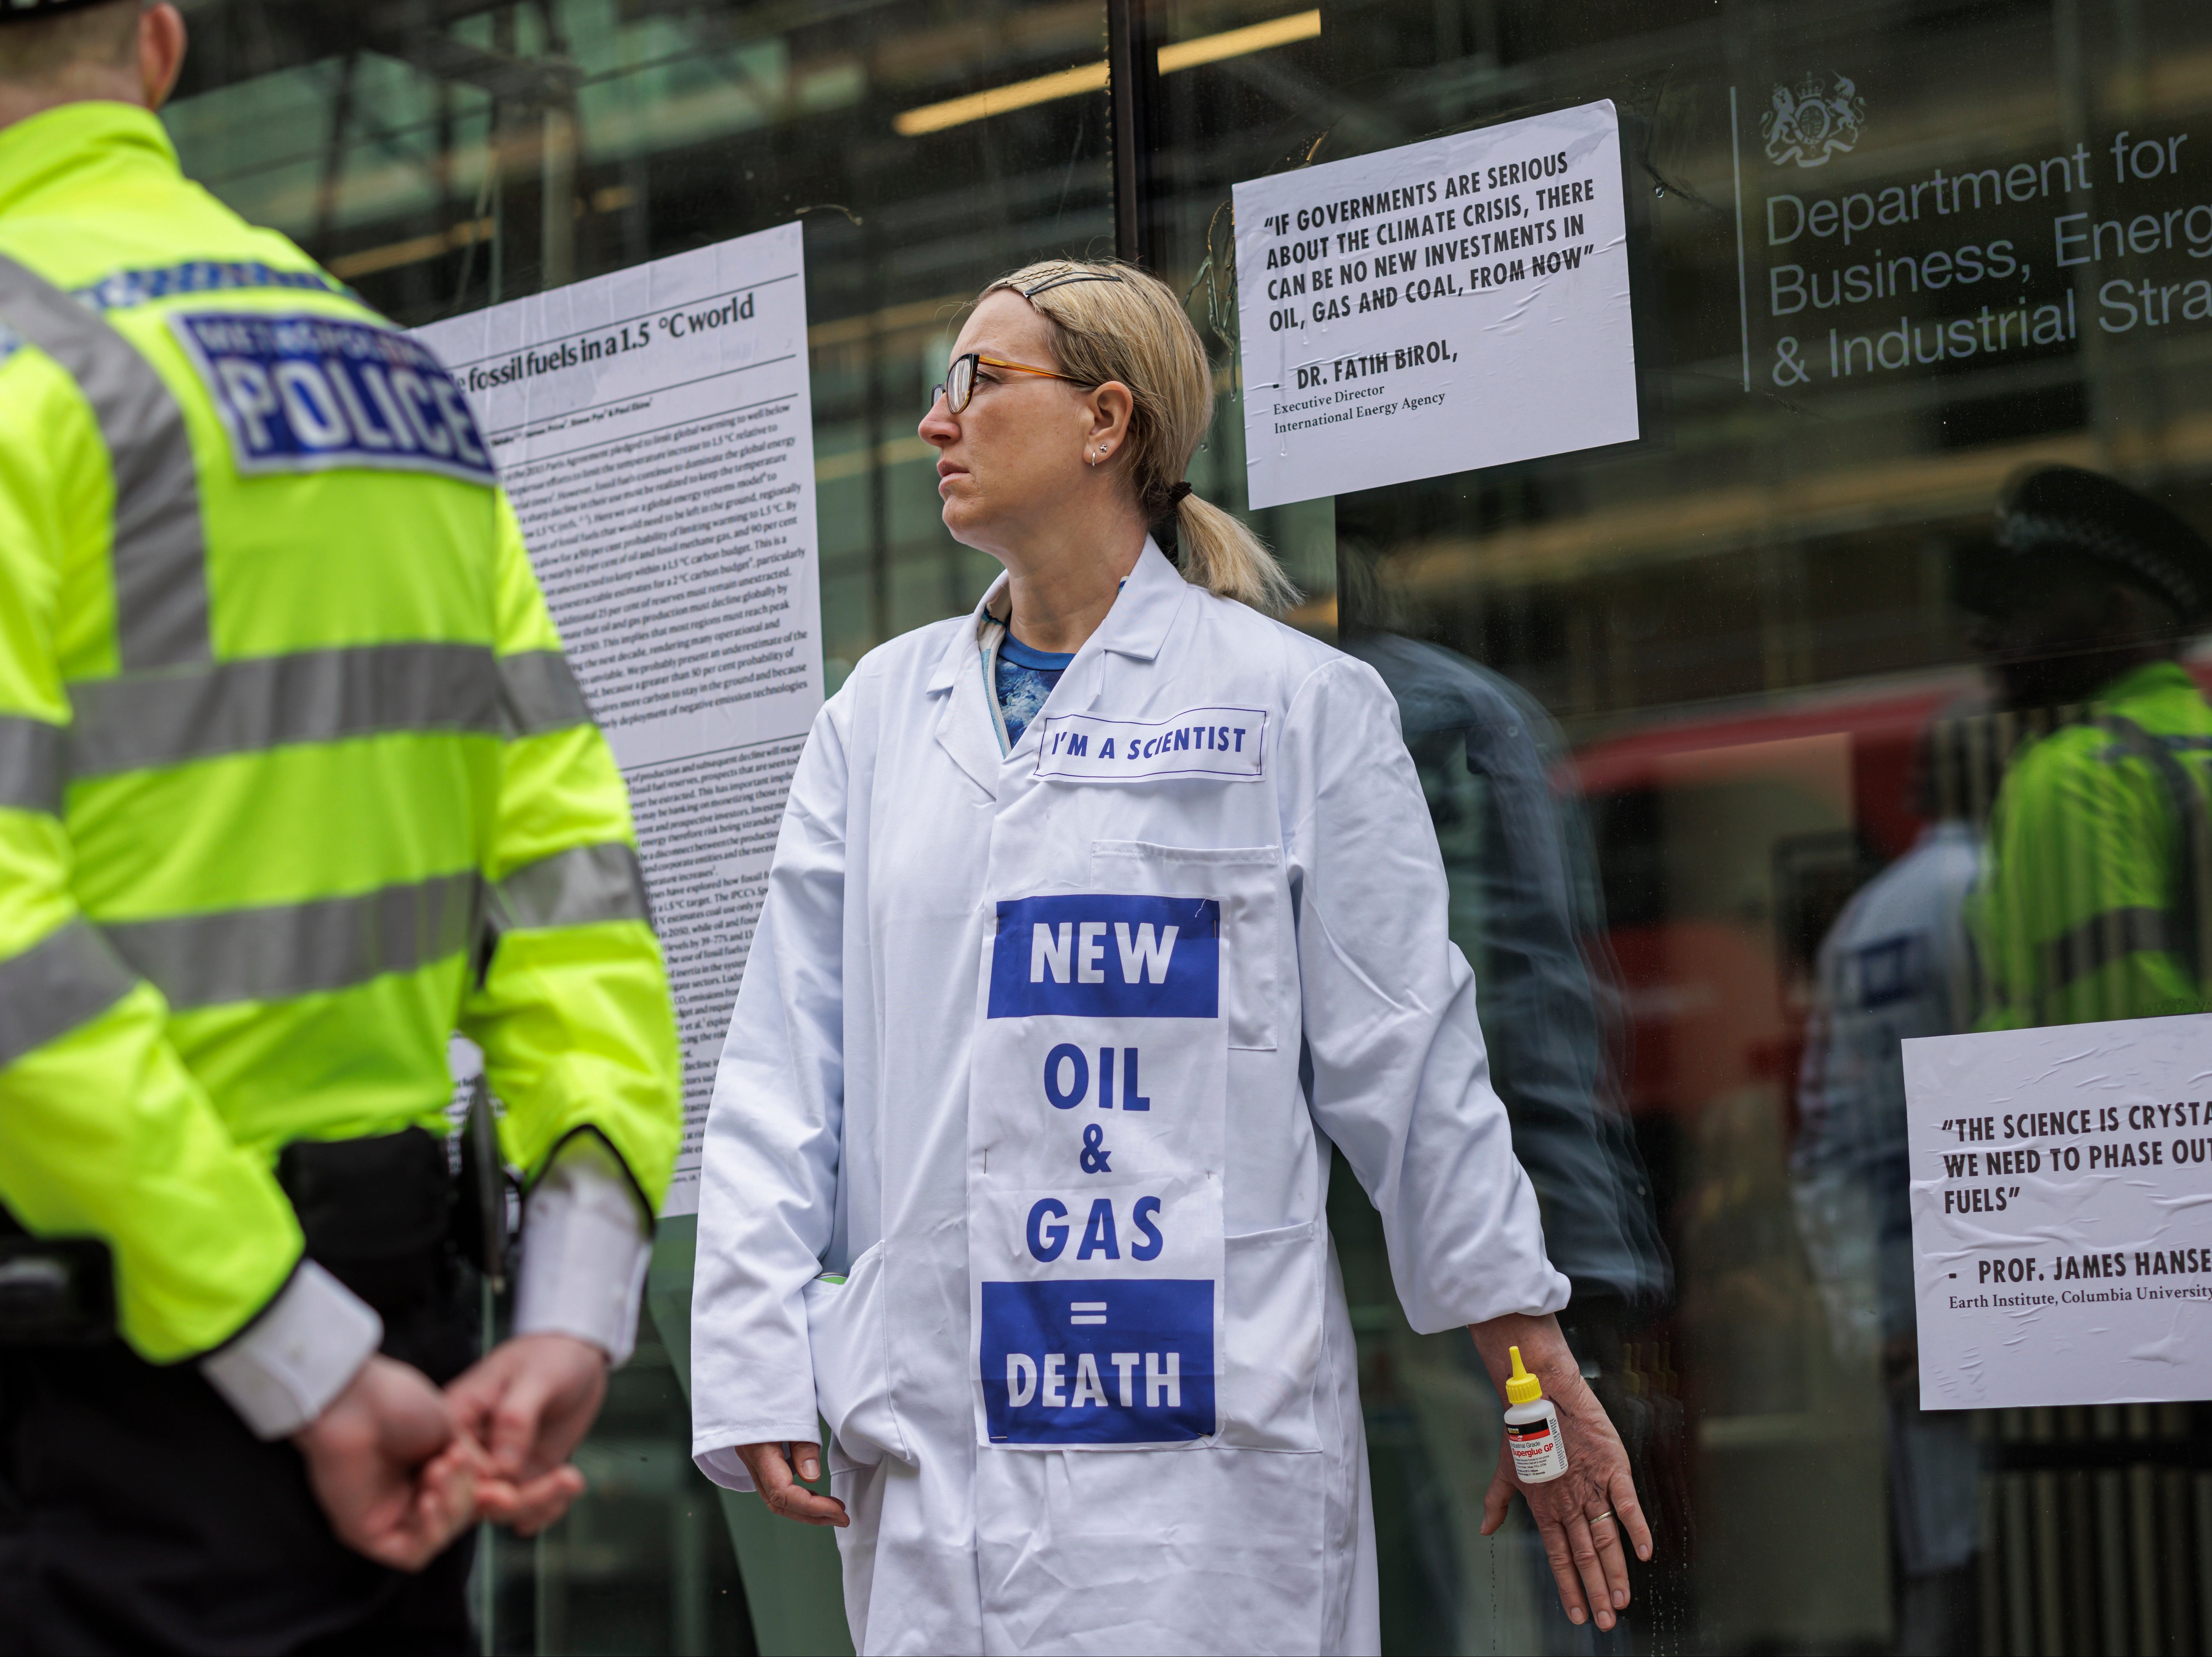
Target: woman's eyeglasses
x,y
959,385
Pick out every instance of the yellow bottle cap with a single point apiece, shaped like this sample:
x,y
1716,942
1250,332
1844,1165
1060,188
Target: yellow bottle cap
x,y
1521,1386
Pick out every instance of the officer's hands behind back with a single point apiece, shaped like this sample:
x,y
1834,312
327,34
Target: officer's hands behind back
x,y
529,1401
401,1469
397,1481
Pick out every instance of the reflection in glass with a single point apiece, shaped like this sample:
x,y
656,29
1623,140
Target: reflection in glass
x,y
1868,286
1528,913
2096,902
1897,964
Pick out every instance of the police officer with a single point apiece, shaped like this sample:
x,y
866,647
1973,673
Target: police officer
x,y
293,782
2094,905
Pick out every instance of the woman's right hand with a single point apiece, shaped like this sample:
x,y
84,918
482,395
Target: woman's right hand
x,y
770,1467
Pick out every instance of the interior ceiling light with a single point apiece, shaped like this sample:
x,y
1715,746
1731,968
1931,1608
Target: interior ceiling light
x,y
1091,78
1235,43
957,112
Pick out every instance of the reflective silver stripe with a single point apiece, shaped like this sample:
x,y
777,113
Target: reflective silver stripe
x,y
301,949
2189,935
542,693
66,978
2099,941
574,888
30,765
159,556
119,290
245,706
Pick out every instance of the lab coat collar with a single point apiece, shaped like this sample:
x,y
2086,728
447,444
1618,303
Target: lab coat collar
x,y
1145,608
966,730
960,650
1136,626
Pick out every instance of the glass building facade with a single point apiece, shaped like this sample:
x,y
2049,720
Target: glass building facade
x,y
1689,710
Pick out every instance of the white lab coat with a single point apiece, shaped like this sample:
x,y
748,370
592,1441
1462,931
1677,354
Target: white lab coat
x,y
839,1144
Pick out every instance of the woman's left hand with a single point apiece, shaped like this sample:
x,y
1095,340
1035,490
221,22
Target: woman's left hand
x,y
1584,1514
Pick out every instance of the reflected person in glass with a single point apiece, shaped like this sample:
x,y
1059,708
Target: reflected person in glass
x,y
1049,1039
2098,897
1898,964
1528,911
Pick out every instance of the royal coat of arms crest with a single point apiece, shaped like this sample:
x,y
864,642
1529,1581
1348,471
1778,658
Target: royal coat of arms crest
x,y
1811,122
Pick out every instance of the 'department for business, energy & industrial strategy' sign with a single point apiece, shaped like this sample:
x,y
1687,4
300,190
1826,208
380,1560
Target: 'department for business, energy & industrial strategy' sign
x,y
1456,303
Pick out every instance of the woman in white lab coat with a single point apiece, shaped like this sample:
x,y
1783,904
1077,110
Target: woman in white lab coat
x,y
1102,921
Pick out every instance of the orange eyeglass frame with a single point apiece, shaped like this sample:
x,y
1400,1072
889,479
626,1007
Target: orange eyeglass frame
x,y
965,383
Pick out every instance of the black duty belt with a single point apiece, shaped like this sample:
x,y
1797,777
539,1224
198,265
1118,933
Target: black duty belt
x,y
385,1214
54,1291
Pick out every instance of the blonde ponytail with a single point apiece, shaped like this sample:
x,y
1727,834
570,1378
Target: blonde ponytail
x,y
1222,556
1123,324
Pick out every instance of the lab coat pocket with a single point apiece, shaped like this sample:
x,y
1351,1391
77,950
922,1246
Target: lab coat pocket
x,y
847,1327
1256,932
1273,1315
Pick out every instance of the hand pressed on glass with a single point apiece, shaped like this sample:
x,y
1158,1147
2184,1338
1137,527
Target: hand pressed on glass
x,y
1584,1514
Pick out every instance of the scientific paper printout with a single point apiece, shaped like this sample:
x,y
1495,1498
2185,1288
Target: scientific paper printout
x,y
653,429
2062,1213
1456,303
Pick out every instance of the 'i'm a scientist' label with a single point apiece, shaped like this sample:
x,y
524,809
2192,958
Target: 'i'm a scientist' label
x,y
1226,743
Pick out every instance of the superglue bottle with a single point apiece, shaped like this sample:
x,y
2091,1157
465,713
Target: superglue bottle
x,y
1532,1428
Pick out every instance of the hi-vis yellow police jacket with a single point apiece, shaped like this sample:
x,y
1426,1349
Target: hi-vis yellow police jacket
x,y
295,781
2092,907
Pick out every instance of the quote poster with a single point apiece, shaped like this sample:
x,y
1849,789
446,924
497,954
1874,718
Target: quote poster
x,y
1456,303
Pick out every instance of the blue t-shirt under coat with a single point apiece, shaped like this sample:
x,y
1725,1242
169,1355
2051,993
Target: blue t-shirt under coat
x,y
1026,678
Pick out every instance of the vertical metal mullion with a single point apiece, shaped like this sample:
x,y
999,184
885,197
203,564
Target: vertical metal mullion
x,y
1133,95
485,1574
333,173
875,423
